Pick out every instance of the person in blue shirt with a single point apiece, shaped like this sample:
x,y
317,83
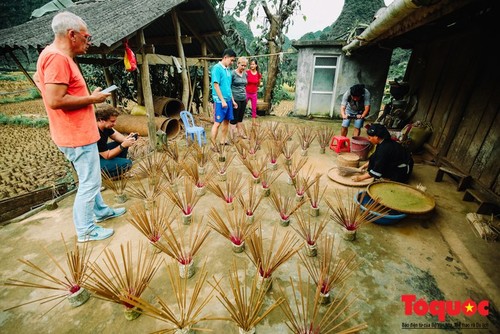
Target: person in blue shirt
x,y
222,95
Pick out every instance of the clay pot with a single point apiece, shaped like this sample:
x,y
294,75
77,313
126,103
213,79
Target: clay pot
x,y
265,283
186,219
200,191
149,204
250,331
314,211
79,298
238,248
284,222
131,313
348,235
186,270
324,298
311,250
122,198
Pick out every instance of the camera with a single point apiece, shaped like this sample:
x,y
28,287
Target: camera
x,y
135,135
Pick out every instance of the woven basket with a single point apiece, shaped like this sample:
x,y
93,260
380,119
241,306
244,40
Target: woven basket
x,y
347,159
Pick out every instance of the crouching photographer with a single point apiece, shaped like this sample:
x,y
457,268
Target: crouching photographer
x,y
113,146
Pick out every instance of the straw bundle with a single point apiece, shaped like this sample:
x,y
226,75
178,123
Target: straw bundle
x,y
330,269
324,135
314,193
247,309
186,311
306,136
266,260
348,171
351,216
229,190
234,228
184,199
57,278
307,230
118,280
305,314
178,247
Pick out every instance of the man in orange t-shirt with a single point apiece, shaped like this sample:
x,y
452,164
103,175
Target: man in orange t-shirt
x,y
72,121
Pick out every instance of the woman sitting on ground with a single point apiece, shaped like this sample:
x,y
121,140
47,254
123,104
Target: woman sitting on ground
x,y
390,161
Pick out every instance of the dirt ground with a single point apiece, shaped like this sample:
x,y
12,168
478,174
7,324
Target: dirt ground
x,y
436,258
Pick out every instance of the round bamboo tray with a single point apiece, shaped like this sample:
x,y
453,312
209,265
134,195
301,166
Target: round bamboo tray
x,y
401,197
335,176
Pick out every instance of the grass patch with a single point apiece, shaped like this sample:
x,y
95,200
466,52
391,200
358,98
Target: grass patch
x,y
24,121
12,77
31,94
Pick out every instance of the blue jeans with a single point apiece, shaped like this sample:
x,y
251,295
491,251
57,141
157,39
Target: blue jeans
x,y
88,200
117,165
358,122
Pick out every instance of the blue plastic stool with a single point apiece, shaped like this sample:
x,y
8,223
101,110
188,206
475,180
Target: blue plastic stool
x,y
191,129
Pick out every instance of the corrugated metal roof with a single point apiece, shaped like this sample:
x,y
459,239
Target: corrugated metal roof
x,y
111,21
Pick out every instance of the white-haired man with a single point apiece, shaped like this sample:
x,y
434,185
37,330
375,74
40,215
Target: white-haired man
x,y
72,122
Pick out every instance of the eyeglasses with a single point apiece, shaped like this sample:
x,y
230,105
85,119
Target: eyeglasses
x,y
243,65
88,37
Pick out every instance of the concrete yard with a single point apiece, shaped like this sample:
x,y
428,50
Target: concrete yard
x,y
435,258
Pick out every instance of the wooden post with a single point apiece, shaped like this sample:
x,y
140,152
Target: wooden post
x,y
180,48
148,95
206,77
109,81
140,93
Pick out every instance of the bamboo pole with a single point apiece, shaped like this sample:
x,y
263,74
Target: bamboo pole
x,y
206,77
18,63
180,48
148,95
140,93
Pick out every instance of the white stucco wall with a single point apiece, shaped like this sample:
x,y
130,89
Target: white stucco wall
x,y
369,67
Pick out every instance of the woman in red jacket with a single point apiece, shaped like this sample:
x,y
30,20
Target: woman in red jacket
x,y
253,77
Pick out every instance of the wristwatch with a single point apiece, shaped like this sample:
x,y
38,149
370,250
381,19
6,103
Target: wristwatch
x,y
122,148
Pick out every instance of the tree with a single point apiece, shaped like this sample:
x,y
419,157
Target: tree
x,y
277,13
